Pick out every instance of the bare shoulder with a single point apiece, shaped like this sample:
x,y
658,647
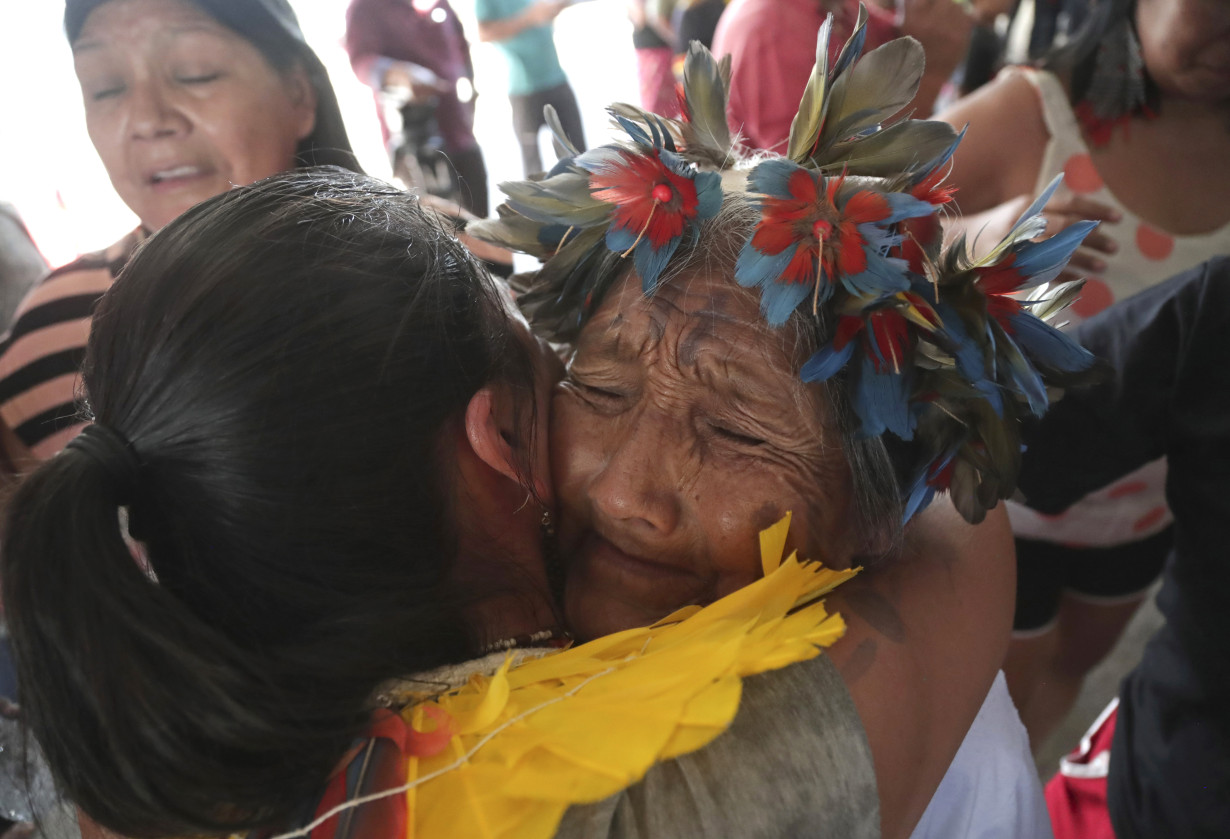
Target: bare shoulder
x,y
1003,149
933,626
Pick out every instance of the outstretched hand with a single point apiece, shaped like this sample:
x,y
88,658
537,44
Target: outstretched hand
x,y
1061,213
988,228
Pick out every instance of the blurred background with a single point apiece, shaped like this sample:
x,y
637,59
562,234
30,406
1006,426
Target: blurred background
x,y
60,187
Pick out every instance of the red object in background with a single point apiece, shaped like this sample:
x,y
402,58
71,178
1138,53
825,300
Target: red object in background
x,y
773,44
1076,796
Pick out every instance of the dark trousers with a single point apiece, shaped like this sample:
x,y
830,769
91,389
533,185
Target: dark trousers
x,y
471,179
528,119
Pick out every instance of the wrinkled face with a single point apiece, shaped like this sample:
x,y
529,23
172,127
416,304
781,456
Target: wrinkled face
x,y
681,430
181,108
1186,46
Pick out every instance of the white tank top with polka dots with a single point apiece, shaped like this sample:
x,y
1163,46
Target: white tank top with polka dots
x,y
1133,507
1147,255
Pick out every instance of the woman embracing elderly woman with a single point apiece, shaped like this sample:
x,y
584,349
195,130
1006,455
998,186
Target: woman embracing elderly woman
x,y
355,559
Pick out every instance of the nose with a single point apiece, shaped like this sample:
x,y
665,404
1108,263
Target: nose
x,y
151,114
639,484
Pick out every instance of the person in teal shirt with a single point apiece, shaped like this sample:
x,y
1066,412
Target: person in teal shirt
x,y
524,32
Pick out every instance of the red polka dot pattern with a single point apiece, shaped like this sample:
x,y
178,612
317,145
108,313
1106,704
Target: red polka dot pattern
x,y
1094,297
1080,175
1154,244
1149,519
1130,488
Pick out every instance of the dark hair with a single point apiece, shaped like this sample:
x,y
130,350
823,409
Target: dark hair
x,y
284,360
271,26
1077,59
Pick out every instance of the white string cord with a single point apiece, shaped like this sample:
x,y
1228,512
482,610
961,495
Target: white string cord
x,y
458,763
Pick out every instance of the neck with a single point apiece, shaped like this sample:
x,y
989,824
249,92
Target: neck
x,y
500,554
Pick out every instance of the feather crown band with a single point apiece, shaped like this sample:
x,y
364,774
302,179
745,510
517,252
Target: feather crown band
x,y
944,351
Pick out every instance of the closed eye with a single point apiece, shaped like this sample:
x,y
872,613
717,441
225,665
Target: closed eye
x,y
107,93
602,393
737,437
201,79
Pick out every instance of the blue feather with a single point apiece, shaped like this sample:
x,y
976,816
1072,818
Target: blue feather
x,y
882,402
920,497
651,261
757,268
708,194
564,164
879,237
778,300
884,276
600,159
675,163
1039,259
551,234
939,161
1039,202
772,177
990,392
850,52
969,356
904,206
1048,346
921,492
619,239
827,362
1024,378
633,130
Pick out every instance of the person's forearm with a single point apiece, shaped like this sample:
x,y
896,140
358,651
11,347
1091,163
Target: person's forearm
x,y
509,27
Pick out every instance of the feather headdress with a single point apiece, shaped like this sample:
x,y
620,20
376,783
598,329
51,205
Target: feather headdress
x,y
939,350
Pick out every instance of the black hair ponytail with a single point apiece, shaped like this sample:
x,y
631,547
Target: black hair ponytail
x,y
283,361
142,674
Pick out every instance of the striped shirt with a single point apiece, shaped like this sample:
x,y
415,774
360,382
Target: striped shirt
x,y
41,356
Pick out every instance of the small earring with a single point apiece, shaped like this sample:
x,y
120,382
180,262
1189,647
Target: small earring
x,y
551,559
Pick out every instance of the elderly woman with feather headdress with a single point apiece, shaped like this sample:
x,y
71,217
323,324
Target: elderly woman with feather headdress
x,y
802,343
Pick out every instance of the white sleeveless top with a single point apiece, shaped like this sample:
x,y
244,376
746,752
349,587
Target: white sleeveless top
x,y
1133,507
991,789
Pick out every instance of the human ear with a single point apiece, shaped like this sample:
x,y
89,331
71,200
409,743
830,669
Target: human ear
x,y
302,95
489,429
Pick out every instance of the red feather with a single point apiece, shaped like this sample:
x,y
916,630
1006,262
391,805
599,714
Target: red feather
x,y
850,256
630,187
802,266
891,334
866,206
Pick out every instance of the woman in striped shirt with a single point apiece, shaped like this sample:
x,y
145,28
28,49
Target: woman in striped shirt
x,y
183,100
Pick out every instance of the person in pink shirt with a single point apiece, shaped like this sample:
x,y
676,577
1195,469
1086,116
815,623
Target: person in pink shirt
x,y
773,46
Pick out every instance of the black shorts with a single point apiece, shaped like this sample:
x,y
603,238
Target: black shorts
x,y
1045,570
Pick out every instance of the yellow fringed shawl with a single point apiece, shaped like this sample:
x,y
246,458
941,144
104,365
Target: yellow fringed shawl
x,y
582,724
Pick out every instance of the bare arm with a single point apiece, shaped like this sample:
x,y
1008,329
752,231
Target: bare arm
x,y
1001,155
926,636
537,14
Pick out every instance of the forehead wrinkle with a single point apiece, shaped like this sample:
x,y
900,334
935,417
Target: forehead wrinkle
x,y
607,337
